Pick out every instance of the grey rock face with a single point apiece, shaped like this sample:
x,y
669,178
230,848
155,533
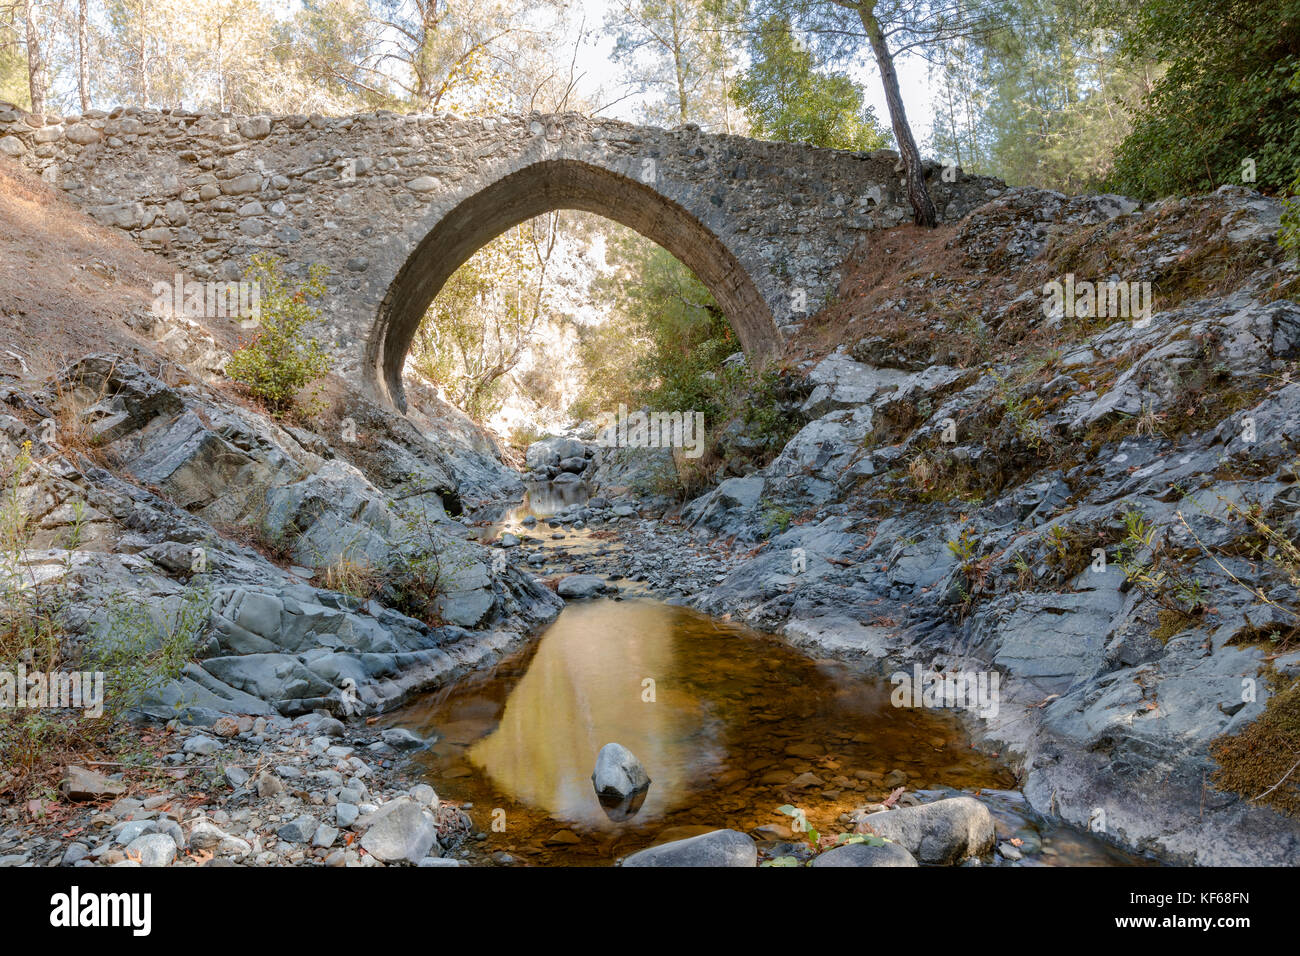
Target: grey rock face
x,y
730,508
719,848
840,382
1011,630
272,642
617,471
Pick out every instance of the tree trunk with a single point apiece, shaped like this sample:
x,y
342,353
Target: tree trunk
x,y
83,68
38,81
917,194
679,68
144,61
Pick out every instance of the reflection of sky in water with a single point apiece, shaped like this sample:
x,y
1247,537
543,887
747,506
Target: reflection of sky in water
x,y
582,690
732,709
542,500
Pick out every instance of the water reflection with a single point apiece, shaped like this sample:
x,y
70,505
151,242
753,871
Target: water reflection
x,y
542,500
586,687
734,725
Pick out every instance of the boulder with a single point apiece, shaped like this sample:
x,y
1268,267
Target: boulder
x,y
580,586
553,450
206,835
718,848
82,784
864,854
621,782
399,738
946,831
400,830
152,849
299,830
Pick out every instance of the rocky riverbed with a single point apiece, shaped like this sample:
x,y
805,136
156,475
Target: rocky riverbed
x,y
942,505
1099,519
263,791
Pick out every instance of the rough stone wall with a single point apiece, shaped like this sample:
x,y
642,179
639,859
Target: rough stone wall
x,y
393,203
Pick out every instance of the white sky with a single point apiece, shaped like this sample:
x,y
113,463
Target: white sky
x,y
594,60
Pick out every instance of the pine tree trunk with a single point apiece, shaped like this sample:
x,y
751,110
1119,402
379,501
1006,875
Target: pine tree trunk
x,y
38,82
144,63
83,81
922,206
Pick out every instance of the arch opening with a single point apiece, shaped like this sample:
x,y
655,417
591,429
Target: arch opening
x,y
532,192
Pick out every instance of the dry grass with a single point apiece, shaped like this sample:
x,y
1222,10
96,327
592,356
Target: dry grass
x,y
354,578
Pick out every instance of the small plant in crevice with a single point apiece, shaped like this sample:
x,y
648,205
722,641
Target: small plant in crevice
x,y
1022,414
1273,552
1024,573
355,578
1157,575
776,519
421,570
973,569
963,547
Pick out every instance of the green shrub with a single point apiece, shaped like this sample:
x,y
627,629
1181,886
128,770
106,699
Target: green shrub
x,y
1227,101
777,520
1289,236
282,359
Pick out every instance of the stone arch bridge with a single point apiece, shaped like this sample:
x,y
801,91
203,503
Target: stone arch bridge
x,y
394,204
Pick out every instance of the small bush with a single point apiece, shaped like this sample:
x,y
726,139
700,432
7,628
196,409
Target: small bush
x,y
421,570
138,655
282,359
777,520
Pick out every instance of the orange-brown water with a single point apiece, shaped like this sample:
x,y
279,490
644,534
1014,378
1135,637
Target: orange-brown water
x,y
726,721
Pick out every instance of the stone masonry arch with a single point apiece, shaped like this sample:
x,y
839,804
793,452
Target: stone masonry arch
x,y
392,204
536,189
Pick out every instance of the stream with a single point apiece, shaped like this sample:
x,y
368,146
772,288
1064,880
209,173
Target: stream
x,y
729,723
